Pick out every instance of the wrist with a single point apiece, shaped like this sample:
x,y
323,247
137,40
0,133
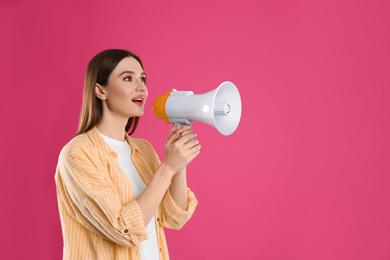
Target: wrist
x,y
166,170
181,172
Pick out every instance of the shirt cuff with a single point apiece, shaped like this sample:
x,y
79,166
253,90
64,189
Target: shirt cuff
x,y
176,213
134,223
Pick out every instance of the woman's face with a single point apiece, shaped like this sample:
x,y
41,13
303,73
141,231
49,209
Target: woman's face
x,y
126,91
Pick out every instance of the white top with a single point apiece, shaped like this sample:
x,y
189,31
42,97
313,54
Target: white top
x,y
148,248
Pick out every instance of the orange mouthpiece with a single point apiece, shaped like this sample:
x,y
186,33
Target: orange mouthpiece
x,y
159,106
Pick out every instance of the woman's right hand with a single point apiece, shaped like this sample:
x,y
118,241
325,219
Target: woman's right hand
x,y
182,147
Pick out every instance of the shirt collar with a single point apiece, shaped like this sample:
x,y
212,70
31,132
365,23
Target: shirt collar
x,y
96,138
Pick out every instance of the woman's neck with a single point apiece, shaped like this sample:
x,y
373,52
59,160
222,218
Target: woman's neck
x,y
112,126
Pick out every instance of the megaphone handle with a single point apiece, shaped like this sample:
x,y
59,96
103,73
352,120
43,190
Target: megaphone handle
x,y
178,124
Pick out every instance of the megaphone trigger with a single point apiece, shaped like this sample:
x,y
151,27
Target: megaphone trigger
x,y
220,108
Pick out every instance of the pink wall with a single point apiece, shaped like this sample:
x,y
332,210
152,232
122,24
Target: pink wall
x,y
305,176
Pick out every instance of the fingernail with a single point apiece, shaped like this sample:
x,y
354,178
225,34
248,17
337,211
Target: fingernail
x,y
181,130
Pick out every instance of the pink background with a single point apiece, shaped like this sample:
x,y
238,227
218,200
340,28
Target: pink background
x,y
306,174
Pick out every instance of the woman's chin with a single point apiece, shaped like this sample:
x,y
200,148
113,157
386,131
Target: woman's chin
x,y
139,114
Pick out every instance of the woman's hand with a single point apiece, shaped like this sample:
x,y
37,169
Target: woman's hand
x,y
182,147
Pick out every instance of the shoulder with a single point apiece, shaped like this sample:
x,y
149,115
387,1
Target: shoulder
x,y
80,144
73,155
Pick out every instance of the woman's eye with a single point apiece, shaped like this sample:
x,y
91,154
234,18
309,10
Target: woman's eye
x,y
128,78
143,80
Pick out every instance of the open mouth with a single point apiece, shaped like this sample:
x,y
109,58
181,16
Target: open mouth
x,y
138,100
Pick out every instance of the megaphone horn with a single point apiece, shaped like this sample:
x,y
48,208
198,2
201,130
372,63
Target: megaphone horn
x,y
220,108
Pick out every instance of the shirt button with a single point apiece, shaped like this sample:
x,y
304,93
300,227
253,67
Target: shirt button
x,y
126,231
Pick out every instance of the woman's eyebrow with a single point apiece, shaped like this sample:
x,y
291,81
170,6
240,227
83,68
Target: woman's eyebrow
x,y
131,72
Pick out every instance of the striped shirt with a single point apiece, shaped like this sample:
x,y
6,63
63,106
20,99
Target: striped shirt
x,y
99,217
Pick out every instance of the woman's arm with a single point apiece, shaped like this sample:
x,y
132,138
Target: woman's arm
x,y
180,150
179,181
179,202
179,189
152,195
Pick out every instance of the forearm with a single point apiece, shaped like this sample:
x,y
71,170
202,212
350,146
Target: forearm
x,y
179,189
150,198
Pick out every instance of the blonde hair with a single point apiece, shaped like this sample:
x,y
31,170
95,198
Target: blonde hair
x,y
98,71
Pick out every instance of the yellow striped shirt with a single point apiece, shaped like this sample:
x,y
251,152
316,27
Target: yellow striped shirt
x,y
99,217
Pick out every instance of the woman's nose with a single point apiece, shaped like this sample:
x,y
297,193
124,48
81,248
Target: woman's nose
x,y
141,86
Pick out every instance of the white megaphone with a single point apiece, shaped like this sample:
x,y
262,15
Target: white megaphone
x,y
220,108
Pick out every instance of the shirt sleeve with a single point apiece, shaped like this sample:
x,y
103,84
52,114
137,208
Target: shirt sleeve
x,y
174,217
90,197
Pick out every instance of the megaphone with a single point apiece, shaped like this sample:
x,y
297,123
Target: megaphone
x,y
220,108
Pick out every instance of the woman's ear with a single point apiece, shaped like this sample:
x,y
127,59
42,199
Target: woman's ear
x,y
99,92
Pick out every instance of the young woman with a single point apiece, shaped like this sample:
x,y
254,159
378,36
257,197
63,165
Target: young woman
x,y
114,194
